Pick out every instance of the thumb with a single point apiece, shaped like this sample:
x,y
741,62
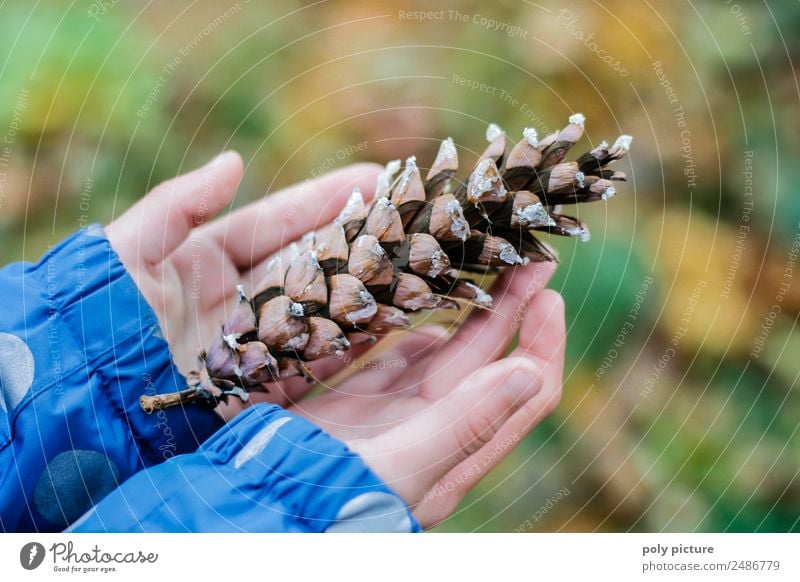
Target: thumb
x,y
163,219
414,455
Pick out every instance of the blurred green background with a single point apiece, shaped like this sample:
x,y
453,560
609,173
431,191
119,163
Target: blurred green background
x,y
681,403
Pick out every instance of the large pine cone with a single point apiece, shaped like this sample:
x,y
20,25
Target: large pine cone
x,y
359,276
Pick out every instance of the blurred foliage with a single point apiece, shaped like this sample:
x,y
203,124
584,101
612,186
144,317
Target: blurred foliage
x,y
681,407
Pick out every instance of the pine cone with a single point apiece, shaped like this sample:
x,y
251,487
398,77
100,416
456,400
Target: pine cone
x,y
360,276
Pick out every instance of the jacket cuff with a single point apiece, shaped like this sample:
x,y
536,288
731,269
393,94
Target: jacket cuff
x,y
119,337
268,471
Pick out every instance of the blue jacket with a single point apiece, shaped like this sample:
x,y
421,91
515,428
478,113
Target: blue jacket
x,y
78,346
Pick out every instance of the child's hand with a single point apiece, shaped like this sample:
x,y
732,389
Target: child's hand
x,y
436,414
187,266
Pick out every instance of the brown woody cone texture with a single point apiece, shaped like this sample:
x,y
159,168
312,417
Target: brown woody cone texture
x,y
359,276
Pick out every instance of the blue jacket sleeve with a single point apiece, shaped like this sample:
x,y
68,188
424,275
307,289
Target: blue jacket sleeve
x,y
78,346
266,471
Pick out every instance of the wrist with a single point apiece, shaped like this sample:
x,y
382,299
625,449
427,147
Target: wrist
x,y
120,337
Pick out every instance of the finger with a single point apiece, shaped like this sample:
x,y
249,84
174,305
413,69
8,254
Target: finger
x,y
543,336
413,456
162,220
253,233
542,341
486,335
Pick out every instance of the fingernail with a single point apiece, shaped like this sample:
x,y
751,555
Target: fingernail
x,y
522,385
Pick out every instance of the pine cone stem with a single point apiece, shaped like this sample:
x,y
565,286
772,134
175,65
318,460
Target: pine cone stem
x,y
194,395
